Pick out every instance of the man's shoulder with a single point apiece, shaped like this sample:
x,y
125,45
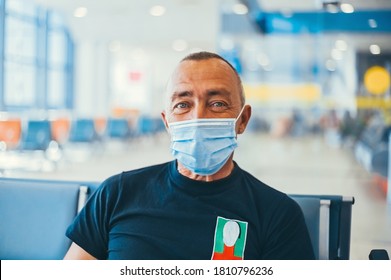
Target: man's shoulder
x,y
134,174
259,185
266,192
148,170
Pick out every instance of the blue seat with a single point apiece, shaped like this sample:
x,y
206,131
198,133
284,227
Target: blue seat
x,y
149,125
83,131
118,128
328,219
35,215
36,135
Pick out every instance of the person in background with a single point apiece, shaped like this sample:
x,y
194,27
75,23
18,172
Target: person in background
x,y
201,205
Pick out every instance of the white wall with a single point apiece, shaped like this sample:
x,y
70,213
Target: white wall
x,y
91,79
102,78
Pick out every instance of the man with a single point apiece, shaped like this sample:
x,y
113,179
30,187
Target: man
x,y
202,205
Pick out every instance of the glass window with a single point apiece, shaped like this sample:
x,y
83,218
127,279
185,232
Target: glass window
x,y
57,63
34,77
20,41
57,56
21,7
56,89
19,84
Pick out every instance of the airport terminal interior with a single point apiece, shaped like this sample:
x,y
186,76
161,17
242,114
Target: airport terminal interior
x,y
82,85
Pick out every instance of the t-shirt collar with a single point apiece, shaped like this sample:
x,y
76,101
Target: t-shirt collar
x,y
202,187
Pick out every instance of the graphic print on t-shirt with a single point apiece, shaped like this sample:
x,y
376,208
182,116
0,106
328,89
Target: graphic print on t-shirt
x,y
230,239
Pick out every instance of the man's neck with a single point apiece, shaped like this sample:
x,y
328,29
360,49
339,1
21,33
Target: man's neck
x,y
225,171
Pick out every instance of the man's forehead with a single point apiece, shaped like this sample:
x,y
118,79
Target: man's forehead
x,y
190,73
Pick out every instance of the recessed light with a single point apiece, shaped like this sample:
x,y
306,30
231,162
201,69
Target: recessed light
x,y
80,12
374,49
341,45
372,23
179,45
157,11
347,8
240,9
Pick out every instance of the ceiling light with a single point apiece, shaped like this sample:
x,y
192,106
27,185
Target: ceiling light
x,y
372,23
179,45
374,49
240,9
157,11
347,8
80,12
341,45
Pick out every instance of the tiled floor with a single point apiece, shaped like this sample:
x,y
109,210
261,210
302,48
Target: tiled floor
x,y
293,165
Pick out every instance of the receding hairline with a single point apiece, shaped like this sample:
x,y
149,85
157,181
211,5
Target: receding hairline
x,y
199,56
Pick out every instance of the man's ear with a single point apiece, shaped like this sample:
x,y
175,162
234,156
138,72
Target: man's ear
x,y
163,115
244,119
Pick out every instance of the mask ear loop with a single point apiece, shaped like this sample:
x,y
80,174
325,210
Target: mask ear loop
x,y
240,114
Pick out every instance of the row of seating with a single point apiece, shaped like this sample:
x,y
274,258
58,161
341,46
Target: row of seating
x,y
45,144
372,151
35,215
37,134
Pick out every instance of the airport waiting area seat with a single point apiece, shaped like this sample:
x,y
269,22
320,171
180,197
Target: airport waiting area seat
x,y
34,217
147,126
36,136
10,133
84,140
33,148
118,128
328,218
83,130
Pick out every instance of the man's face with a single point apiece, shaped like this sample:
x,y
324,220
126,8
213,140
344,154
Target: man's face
x,y
203,89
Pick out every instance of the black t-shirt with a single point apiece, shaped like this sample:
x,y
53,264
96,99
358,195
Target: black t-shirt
x,y
157,213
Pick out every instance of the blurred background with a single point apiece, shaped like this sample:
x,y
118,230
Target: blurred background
x,y
82,85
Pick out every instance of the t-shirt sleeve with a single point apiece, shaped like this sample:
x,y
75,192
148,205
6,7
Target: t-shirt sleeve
x,y
288,237
90,228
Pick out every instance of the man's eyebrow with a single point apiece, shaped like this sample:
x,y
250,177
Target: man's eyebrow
x,y
180,94
210,93
219,91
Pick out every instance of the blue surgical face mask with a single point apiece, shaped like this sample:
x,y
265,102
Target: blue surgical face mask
x,y
203,146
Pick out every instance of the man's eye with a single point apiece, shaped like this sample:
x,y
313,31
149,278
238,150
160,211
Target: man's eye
x,y
181,105
218,104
